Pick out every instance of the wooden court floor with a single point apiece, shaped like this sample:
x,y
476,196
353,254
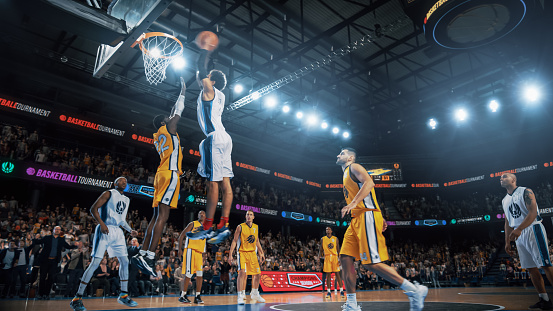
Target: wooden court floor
x,y
460,298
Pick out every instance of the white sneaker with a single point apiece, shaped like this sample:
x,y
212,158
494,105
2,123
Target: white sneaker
x,y
416,298
241,299
347,307
257,297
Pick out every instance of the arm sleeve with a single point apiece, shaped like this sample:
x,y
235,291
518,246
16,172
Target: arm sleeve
x,y
200,64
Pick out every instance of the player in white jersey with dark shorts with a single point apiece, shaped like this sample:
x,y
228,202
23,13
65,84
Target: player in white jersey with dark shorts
x,y
523,226
110,211
215,150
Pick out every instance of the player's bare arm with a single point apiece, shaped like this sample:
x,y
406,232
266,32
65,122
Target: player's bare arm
x,y
202,76
182,235
237,233
532,206
104,197
363,177
260,252
508,231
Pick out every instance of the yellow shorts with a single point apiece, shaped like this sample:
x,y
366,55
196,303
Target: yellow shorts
x,y
248,262
364,240
166,188
331,264
192,261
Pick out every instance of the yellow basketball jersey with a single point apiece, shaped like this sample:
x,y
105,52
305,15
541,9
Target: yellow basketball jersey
x,y
168,147
330,245
197,245
351,188
248,238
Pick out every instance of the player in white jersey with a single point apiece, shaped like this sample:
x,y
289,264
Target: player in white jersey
x,y
110,211
523,227
215,150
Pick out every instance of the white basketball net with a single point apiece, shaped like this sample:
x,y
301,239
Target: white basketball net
x,y
158,52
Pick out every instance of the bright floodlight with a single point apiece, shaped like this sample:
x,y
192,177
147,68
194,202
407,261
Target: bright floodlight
x,y
311,120
345,134
461,114
532,94
335,130
270,102
179,63
432,124
494,105
155,52
299,115
286,109
324,125
238,88
255,95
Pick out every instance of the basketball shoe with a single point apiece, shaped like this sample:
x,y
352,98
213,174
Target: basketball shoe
x,y
77,304
347,307
145,264
220,235
416,297
184,299
126,300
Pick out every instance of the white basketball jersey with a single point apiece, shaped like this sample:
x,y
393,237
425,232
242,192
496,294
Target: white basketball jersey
x,y
515,209
209,112
114,212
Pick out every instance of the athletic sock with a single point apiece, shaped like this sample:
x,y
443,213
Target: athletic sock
x,y
544,296
223,222
351,299
182,293
408,286
81,289
142,252
198,294
255,292
208,223
243,292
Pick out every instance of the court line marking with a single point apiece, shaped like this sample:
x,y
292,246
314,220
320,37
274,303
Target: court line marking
x,y
470,303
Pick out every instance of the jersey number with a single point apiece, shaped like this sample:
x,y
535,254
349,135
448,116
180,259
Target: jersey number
x,y
160,146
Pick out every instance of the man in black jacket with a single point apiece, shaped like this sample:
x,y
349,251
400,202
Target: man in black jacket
x,y
20,269
8,260
49,259
133,270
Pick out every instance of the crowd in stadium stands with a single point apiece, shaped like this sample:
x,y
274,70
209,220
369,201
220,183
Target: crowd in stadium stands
x,y
476,204
434,264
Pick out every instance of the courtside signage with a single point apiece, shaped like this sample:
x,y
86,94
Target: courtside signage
x,y
277,281
304,280
68,178
92,125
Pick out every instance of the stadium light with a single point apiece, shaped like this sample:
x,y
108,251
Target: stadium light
x,y
494,105
461,114
238,88
324,125
345,134
155,52
335,130
270,102
299,115
532,93
432,123
179,63
312,119
286,109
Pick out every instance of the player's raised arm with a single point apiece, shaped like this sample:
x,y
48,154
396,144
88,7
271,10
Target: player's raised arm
x,y
177,110
202,76
104,197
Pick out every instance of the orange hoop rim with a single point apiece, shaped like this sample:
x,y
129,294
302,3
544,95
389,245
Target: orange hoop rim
x,y
157,34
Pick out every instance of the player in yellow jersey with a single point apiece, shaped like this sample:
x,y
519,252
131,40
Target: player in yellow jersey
x,y
166,182
192,260
363,239
246,239
329,250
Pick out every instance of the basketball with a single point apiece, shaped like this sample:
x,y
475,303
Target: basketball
x,y
207,40
267,280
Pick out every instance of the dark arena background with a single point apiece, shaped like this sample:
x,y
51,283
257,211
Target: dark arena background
x,y
438,97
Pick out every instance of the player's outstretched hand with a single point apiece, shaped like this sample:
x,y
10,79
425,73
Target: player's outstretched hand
x,y
347,209
183,86
134,234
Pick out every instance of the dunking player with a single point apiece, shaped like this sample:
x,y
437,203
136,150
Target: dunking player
x,y
192,260
523,226
166,182
110,211
363,238
246,238
330,247
215,150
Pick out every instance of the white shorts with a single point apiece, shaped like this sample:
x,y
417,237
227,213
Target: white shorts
x,y
532,247
216,161
114,242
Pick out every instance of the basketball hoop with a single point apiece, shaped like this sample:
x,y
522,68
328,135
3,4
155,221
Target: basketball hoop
x,y
158,51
